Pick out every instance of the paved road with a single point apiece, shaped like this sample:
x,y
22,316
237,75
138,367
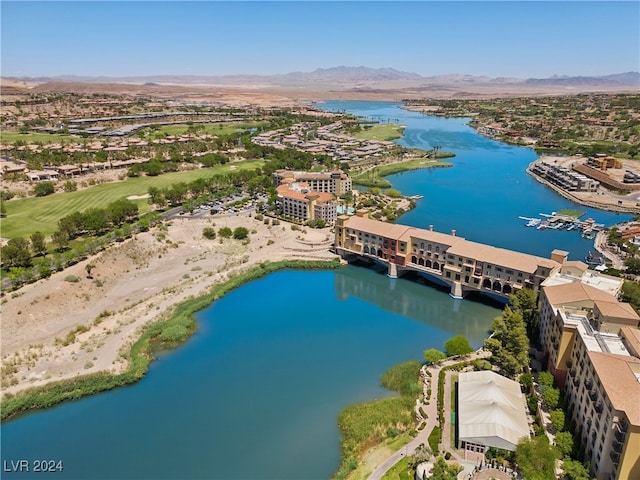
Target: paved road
x,y
432,418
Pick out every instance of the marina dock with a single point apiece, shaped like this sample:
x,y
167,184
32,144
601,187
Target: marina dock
x,y
556,221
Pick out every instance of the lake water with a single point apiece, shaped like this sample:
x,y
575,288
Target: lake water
x,y
486,190
255,394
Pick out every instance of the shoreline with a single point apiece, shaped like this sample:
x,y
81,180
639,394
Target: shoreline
x,y
88,327
151,341
608,207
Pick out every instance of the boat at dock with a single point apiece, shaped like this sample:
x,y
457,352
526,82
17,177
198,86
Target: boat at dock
x,y
556,221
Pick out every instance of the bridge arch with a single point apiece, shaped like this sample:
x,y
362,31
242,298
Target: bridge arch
x,y
436,265
497,286
428,264
366,249
486,283
506,289
380,252
421,262
414,259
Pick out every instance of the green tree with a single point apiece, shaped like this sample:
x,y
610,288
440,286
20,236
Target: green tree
x,y
95,220
574,470
434,356
225,232
209,233
240,233
551,397
121,211
557,419
631,294
526,380
156,196
545,379
633,265
457,345
443,471
422,454
16,253
38,245
71,225
524,301
89,267
564,443
70,186
509,343
42,189
61,239
536,458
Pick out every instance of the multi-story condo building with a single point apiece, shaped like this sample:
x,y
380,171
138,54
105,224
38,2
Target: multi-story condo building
x,y
336,182
447,259
592,343
302,203
565,178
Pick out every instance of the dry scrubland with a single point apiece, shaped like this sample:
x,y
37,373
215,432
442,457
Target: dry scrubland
x,y
58,329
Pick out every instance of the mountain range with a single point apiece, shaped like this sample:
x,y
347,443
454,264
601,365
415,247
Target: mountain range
x,y
348,77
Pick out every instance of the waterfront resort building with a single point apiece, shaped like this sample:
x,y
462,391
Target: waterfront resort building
x,y
446,259
299,201
492,412
565,178
592,343
336,182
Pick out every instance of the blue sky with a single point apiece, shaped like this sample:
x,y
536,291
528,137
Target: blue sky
x,y
497,39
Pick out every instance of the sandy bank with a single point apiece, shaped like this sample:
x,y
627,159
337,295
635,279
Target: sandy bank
x,y
133,284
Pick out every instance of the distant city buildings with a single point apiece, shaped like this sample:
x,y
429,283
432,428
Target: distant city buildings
x,y
592,343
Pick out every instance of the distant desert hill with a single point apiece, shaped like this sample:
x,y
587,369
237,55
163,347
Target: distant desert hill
x,y
337,82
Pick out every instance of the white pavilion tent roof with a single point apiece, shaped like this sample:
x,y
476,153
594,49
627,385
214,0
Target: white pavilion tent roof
x,y
491,410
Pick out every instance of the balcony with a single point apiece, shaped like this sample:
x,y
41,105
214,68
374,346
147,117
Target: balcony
x,y
570,363
619,435
599,407
573,372
576,381
589,383
593,395
615,457
623,425
617,446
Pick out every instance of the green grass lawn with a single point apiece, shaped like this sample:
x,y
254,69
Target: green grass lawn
x,y
400,471
374,177
387,131
28,215
205,128
12,137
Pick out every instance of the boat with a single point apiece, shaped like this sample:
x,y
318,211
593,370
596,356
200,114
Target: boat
x,y
533,222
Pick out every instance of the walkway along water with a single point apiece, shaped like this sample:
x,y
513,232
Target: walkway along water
x,y
431,409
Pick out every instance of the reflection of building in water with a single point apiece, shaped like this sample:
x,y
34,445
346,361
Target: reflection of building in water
x,y
461,265
412,300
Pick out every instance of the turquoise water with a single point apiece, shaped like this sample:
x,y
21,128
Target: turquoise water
x,y
255,394
486,190
257,391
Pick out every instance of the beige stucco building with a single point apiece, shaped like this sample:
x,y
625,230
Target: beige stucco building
x,y
336,182
463,265
592,343
300,202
